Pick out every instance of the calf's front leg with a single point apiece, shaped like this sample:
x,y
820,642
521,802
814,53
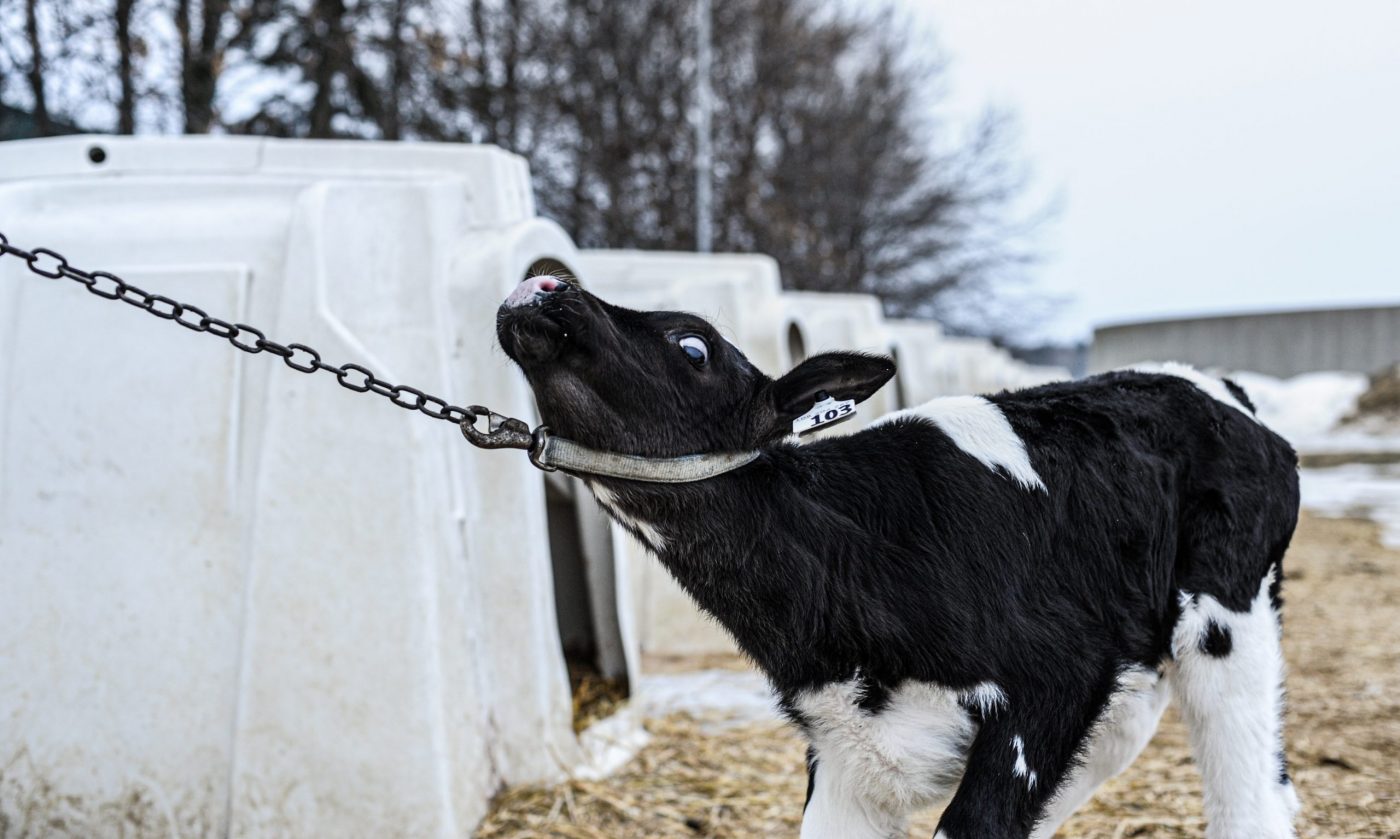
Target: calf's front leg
x,y
1014,768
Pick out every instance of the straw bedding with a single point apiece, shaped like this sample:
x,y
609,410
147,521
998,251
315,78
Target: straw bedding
x,y
1342,615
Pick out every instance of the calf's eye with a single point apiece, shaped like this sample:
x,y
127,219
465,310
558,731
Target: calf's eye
x,y
695,349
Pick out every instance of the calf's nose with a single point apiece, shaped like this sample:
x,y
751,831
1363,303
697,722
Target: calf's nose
x,y
533,287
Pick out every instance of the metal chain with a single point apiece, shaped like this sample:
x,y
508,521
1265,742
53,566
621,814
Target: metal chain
x,y
502,432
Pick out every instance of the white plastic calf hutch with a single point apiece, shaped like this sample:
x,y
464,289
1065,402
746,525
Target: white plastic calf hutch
x,y
975,365
1033,375
920,359
242,601
818,322
739,293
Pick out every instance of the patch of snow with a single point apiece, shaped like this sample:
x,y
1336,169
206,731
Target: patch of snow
x,y
720,699
1347,440
1368,491
728,696
1305,407
610,744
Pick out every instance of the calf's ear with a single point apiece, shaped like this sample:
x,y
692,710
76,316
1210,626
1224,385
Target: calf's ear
x,y
841,375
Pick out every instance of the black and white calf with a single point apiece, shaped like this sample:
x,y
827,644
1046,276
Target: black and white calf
x,y
988,599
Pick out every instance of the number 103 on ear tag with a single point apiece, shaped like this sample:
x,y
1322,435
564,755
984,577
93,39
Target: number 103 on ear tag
x,y
826,412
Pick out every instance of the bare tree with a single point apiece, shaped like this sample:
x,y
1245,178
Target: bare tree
x,y
827,152
126,105
36,68
43,49
198,33
400,68
826,157
211,36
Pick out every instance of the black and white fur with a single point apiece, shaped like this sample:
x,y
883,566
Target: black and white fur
x,y
988,600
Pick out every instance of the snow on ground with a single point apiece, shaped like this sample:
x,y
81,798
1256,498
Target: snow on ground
x,y
1305,408
611,743
1360,490
1348,441
730,696
718,699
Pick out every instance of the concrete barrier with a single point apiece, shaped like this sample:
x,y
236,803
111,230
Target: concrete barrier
x,y
1281,344
242,601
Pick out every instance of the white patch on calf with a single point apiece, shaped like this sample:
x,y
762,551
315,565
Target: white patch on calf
x,y
1209,385
1233,706
1123,728
874,768
987,698
1021,768
979,428
650,536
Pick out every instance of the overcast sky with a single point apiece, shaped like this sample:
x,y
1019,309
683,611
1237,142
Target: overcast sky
x,y
1210,156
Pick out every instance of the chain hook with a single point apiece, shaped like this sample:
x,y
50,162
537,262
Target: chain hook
x,y
501,432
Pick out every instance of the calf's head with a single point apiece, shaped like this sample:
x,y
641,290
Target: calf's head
x,y
659,384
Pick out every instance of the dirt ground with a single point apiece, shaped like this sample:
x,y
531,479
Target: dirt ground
x,y
1341,618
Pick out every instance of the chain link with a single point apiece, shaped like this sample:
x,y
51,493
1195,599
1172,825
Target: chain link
x,y
299,357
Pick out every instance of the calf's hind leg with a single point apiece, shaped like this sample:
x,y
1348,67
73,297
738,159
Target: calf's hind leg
x,y
1227,676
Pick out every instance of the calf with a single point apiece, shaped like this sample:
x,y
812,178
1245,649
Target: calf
x,y
988,600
